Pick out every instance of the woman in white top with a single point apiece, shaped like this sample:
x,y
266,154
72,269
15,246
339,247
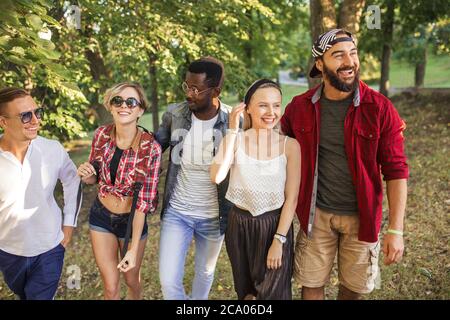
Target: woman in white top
x,y
264,185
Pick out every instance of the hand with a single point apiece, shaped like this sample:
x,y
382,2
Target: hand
x,y
392,248
235,115
128,262
68,231
274,255
87,173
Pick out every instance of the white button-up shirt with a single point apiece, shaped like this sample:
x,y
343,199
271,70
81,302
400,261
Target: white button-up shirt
x,y
30,219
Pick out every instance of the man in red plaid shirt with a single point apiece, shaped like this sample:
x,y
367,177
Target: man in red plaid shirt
x,y
349,135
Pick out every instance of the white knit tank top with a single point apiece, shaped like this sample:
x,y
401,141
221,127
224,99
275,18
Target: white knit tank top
x,y
257,185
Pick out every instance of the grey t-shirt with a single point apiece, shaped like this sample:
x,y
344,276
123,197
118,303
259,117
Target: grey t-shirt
x,y
335,190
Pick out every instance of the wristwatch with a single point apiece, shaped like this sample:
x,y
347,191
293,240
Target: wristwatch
x,y
280,238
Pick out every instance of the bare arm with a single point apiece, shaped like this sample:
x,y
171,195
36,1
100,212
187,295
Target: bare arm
x,y
225,155
292,186
129,261
224,158
393,245
138,226
396,194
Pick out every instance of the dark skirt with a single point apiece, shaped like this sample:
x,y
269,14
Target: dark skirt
x,y
248,240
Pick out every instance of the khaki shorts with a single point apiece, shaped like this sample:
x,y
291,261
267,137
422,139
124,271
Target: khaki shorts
x,y
331,233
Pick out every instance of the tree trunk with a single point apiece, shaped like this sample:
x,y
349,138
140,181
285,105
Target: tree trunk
x,y
153,90
28,83
388,28
322,17
97,65
385,65
420,70
350,15
99,73
248,49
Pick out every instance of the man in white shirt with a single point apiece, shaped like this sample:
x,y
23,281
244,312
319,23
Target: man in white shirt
x,y
33,235
194,207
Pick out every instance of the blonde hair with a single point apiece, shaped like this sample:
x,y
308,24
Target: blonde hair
x,y
116,89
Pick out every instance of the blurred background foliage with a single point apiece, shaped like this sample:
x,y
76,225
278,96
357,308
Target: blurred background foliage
x,y
68,53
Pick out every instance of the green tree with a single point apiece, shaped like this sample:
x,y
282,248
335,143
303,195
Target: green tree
x,y
29,59
148,42
154,42
419,27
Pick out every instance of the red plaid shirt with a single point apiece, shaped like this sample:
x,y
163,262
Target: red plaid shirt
x,y
373,134
123,187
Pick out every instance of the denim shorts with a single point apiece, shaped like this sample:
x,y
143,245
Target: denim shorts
x,y
103,220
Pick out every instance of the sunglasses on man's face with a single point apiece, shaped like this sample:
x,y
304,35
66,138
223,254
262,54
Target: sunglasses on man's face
x,y
27,116
131,102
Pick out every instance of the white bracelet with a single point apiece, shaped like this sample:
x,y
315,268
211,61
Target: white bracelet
x,y
233,131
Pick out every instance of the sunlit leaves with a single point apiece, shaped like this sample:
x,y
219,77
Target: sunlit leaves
x,y
28,60
34,21
122,35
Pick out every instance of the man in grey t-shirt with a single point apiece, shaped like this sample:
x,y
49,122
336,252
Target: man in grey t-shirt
x,y
335,190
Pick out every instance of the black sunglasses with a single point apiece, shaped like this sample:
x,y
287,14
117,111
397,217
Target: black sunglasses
x,y
131,102
26,117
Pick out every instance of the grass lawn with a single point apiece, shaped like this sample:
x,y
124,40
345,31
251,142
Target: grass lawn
x,y
436,73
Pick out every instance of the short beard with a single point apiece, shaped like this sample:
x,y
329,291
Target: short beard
x,y
337,83
198,108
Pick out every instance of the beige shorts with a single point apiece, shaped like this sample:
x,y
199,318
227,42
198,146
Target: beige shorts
x,y
331,233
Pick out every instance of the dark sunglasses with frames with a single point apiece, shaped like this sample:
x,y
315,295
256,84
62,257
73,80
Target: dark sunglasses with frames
x,y
131,102
27,116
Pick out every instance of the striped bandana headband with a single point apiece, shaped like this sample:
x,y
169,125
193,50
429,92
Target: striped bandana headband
x,y
324,42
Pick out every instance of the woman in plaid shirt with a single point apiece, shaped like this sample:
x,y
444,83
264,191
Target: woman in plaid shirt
x,y
113,162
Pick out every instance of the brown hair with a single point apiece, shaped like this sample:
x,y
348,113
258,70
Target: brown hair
x,y
115,90
9,94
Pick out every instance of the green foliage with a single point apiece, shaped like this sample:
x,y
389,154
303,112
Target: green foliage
x,y
245,35
441,37
123,40
30,60
418,26
414,45
422,25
